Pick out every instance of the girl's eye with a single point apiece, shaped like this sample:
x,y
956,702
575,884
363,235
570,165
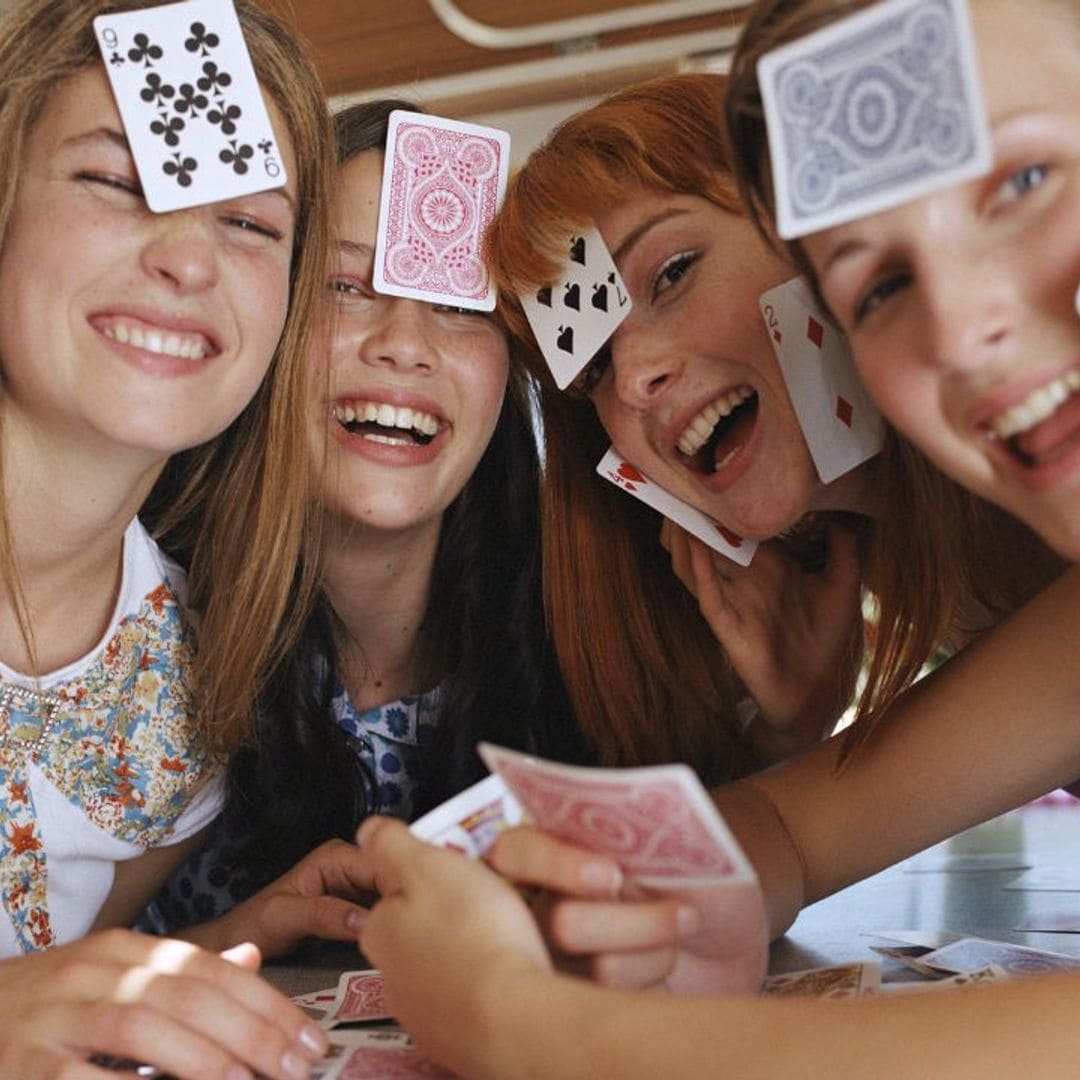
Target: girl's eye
x,y
878,293
345,288
1020,183
673,270
589,377
111,180
250,225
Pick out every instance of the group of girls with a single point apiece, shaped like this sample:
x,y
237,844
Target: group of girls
x,y
961,308
298,578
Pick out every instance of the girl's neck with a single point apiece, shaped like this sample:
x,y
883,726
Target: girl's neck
x,y
66,511
379,585
855,492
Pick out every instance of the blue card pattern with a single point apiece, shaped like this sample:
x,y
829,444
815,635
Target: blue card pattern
x,y
873,111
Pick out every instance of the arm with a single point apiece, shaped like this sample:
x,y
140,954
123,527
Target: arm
x,y
467,973
193,1014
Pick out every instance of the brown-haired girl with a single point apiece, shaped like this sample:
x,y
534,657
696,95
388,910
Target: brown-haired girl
x,y
146,358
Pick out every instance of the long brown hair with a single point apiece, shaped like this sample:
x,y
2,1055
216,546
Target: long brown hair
x,y
234,510
643,648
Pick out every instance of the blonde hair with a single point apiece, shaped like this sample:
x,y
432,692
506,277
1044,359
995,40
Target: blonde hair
x,y
636,655
234,510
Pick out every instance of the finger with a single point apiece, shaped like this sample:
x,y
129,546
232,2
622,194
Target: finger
x,y
390,851
529,856
33,1061
594,926
287,920
636,970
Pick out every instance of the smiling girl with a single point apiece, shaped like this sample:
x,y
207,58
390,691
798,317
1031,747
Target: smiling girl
x,y
147,359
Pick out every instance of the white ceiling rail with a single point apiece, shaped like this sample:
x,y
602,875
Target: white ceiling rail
x,y
671,48
582,26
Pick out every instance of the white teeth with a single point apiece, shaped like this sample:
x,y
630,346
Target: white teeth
x,y
187,346
387,416
698,432
1037,406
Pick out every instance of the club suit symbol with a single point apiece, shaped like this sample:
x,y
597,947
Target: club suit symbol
x,y
599,297
543,296
572,299
565,340
577,250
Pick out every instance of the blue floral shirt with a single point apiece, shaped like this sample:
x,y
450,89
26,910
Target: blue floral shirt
x,y
387,739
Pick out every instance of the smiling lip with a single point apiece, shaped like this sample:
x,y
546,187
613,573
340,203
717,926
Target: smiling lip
x,y
393,428
707,431
156,343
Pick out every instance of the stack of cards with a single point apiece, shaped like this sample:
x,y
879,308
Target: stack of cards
x,y
872,111
192,109
471,821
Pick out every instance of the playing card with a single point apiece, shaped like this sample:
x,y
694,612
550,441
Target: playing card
x,y
193,114
657,822
840,423
575,317
908,955
471,821
443,182
829,983
359,997
927,940
970,954
871,111
622,474
983,977
374,1055
1056,921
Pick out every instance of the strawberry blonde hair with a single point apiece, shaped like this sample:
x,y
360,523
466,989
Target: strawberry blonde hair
x,y
644,671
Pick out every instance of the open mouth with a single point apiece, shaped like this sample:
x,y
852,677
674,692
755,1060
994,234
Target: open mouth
x,y
1032,430
390,425
720,430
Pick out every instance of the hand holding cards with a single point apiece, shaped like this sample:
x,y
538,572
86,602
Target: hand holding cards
x,y
193,113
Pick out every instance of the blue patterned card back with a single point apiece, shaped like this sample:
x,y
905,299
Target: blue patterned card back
x,y
873,111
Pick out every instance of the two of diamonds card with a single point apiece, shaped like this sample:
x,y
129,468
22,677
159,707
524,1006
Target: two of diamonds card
x,y
443,182
872,111
193,113
614,468
573,318
840,423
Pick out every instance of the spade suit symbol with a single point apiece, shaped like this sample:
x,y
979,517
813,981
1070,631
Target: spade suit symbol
x,y
599,297
543,296
618,290
577,250
565,340
572,299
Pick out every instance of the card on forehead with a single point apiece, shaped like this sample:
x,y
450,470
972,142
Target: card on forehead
x,y
840,423
876,109
443,182
193,114
657,822
575,317
621,473
471,821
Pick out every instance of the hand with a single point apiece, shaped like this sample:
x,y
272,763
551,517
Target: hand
x,y
793,635
702,939
195,1015
444,935
316,898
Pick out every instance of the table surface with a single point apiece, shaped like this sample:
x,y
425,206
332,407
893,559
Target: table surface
x,y
840,928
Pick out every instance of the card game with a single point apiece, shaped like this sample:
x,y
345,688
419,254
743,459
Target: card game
x,y
351,725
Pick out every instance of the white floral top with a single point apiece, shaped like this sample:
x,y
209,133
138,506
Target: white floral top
x,y
100,760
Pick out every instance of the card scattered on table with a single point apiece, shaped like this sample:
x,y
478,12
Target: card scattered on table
x,y
472,820
381,1054
840,423
193,113
658,823
827,983
971,954
874,110
359,998
443,182
615,468
573,319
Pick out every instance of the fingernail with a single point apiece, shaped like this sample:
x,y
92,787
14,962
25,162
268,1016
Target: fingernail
x,y
600,875
313,1039
356,918
295,1066
687,921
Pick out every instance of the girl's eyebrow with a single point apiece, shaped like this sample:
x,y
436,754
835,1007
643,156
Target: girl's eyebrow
x,y
107,133
635,235
844,250
354,247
